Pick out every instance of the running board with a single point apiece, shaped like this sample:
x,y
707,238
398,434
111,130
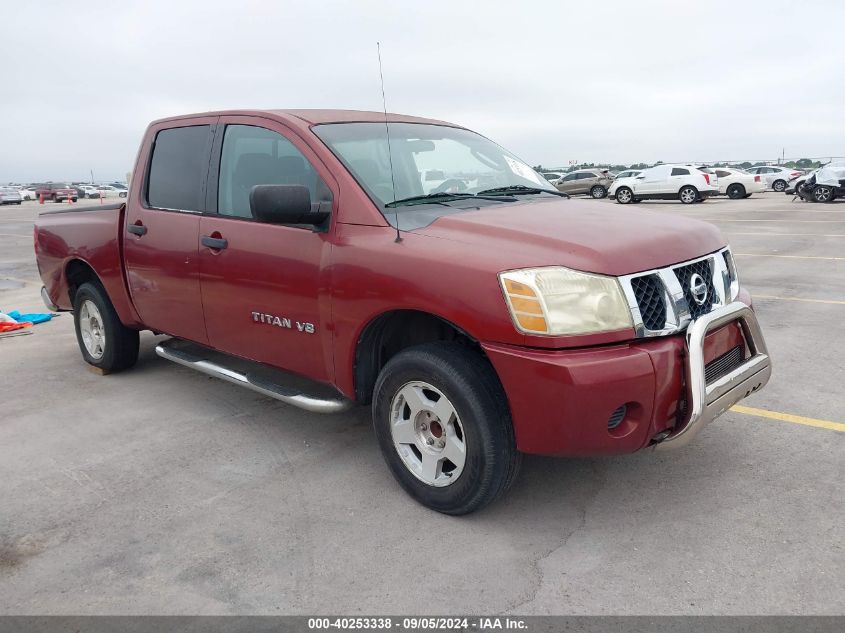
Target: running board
x,y
198,358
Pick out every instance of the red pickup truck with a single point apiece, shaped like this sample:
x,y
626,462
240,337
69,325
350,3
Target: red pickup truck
x,y
297,253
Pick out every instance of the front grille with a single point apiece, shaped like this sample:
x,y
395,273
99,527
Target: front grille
x,y
650,298
684,273
723,365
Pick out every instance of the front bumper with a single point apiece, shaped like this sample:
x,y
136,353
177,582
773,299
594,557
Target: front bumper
x,y
709,401
561,401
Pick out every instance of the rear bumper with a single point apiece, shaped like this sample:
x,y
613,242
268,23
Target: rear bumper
x,y
45,297
561,401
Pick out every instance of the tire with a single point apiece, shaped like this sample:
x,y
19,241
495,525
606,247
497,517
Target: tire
x,y
779,185
624,195
598,192
688,194
55,198
103,340
822,194
479,430
736,191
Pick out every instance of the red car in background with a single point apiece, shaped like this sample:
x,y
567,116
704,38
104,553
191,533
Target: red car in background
x,y
56,191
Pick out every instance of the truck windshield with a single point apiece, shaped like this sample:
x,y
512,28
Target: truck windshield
x,y
427,159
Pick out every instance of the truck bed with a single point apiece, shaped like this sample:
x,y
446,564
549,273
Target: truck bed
x,y
78,236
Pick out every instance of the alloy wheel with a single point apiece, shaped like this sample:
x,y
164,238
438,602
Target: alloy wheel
x,y
91,329
427,434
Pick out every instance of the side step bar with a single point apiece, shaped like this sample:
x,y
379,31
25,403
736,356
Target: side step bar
x,y
174,350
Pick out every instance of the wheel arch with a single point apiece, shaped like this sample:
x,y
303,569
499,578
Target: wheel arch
x,y
390,332
78,272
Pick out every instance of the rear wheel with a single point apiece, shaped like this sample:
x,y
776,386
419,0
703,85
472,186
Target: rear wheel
x,y
736,191
688,194
624,195
55,198
444,427
103,340
779,185
598,192
823,194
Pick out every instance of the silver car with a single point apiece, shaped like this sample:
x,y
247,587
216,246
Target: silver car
x,y
594,182
776,177
628,173
10,195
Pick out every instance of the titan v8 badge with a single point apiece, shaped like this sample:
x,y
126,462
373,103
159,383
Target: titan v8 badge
x,y
283,322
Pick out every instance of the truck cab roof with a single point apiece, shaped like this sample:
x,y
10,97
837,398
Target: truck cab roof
x,y
317,116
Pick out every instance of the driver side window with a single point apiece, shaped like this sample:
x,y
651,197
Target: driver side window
x,y
257,156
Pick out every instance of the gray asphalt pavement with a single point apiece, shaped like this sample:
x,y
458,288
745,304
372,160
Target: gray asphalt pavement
x,y
162,491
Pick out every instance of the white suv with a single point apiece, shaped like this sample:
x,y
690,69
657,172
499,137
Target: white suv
x,y
686,183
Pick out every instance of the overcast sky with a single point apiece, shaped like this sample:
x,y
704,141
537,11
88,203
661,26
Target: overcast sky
x,y
602,81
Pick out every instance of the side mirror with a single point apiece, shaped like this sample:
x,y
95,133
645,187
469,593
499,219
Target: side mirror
x,y
285,204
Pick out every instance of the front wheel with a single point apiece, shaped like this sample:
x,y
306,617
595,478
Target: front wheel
x,y
444,427
688,195
624,195
103,340
779,185
823,194
598,192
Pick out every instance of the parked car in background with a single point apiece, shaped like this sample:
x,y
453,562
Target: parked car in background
x,y
825,184
27,193
686,183
106,191
628,173
56,191
10,195
80,189
776,177
594,182
121,188
736,183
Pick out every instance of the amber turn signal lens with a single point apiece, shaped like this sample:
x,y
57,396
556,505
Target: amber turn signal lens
x,y
516,288
532,323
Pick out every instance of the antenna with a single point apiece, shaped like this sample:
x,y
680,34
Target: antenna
x,y
387,132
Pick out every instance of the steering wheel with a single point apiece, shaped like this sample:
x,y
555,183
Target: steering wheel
x,y
451,185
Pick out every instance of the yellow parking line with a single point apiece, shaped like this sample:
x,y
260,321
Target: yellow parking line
x,y
788,417
830,301
786,256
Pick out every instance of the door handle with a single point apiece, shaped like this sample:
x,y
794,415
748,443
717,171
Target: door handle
x,y
215,243
137,229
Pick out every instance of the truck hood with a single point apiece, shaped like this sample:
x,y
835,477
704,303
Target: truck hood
x,y
584,235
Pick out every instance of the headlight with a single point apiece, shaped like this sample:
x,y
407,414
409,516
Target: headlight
x,y
558,301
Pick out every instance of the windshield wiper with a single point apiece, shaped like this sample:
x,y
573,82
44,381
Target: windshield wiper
x,y
440,198
520,189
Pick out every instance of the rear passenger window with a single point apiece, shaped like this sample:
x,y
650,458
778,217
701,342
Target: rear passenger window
x,y
257,156
178,168
677,171
722,174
